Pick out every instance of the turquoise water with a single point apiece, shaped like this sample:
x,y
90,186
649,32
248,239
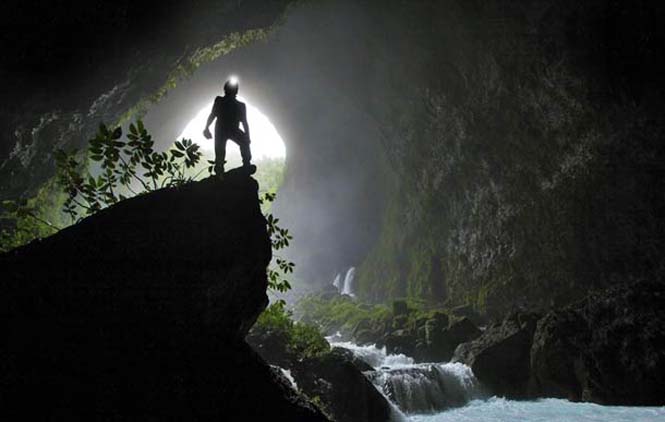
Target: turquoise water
x,y
449,392
546,410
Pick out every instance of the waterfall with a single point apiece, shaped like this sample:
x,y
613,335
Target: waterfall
x,y
417,388
345,286
338,282
348,282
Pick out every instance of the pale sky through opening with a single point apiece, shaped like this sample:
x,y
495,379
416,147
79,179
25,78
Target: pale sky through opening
x,y
266,142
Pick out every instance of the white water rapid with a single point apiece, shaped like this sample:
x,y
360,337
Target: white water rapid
x,y
417,388
447,392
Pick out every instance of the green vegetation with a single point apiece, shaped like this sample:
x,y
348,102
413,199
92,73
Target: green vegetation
x,y
374,324
301,340
24,220
270,174
340,313
127,168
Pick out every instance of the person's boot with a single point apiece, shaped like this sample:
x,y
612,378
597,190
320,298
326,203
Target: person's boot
x,y
219,171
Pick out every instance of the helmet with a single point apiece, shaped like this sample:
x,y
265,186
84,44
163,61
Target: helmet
x,y
231,86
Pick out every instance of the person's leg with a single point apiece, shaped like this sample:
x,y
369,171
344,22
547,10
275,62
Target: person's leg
x,y
245,152
242,140
220,152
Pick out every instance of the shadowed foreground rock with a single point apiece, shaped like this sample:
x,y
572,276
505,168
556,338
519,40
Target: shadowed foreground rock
x,y
140,311
337,380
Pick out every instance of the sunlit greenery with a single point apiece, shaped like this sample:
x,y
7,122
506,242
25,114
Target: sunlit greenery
x,y
339,314
302,340
26,219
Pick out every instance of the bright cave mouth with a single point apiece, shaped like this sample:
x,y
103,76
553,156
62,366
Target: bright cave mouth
x,y
267,146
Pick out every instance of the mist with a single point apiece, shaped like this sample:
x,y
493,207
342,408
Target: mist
x,y
310,80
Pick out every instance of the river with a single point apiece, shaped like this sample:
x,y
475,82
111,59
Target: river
x,y
442,392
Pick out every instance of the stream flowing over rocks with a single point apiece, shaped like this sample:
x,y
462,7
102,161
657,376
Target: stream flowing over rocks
x,y
449,392
607,349
417,387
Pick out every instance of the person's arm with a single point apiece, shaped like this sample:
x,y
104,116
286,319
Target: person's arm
x,y
211,117
243,120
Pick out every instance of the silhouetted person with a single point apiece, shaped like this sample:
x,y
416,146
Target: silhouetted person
x,y
229,113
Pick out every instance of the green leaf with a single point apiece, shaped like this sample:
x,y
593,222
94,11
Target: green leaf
x,y
10,206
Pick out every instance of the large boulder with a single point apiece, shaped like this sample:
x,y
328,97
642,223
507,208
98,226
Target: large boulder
x,y
367,332
499,358
140,312
442,342
347,394
334,378
608,349
467,311
401,341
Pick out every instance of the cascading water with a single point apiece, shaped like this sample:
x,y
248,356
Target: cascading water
x,y
417,388
348,282
428,387
345,286
448,392
338,283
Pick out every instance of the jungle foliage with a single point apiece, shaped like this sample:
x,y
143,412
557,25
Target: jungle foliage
x,y
341,313
301,340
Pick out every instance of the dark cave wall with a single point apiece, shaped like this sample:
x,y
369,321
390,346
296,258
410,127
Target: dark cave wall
x,y
491,153
529,154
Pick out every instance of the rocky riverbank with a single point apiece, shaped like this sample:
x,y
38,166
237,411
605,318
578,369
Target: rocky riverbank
x,y
608,348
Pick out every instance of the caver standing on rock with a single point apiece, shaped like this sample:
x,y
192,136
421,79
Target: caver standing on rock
x,y
229,113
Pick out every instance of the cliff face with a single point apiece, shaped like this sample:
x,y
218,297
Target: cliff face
x,y
140,311
527,146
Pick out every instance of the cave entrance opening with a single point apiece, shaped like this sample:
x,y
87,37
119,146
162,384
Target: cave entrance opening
x,y
268,148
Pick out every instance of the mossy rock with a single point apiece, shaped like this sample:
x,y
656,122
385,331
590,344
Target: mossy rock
x,y
400,322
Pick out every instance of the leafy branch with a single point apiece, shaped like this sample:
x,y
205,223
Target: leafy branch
x,y
133,167
280,238
128,168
